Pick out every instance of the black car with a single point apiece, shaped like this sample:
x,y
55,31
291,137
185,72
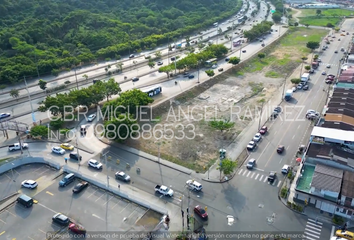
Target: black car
x,y
135,79
61,219
227,59
243,51
272,176
312,71
4,115
79,187
75,156
191,76
280,149
274,115
186,74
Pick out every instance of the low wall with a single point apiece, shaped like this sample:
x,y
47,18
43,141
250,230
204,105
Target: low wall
x,y
28,160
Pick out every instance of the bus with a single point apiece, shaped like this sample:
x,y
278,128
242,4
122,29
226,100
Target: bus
x,y
210,62
151,92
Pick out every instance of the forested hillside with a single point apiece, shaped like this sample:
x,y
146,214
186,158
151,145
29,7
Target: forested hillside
x,y
56,34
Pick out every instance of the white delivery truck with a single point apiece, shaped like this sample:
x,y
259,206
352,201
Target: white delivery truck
x,y
305,77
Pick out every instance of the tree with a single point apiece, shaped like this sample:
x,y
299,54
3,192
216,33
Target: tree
x,y
42,84
97,92
210,73
312,45
307,67
15,93
85,76
167,69
111,87
120,66
227,166
158,54
82,97
261,56
307,25
276,17
330,25
151,63
295,80
234,61
58,104
39,131
219,31
316,56
318,12
296,24
121,127
221,125
56,124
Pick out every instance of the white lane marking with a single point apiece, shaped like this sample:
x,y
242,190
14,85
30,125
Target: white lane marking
x,y
95,175
260,179
94,215
256,177
313,220
312,231
313,227
265,179
312,235
47,208
239,173
249,172
332,231
293,137
287,147
279,183
259,169
281,160
253,175
298,127
313,224
244,173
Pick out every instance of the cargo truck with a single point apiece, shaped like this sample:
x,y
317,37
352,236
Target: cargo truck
x,y
288,95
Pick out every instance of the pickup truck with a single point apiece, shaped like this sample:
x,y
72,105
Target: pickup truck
x,y
17,146
164,190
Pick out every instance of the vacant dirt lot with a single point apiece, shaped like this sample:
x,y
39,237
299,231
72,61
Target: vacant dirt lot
x,y
236,95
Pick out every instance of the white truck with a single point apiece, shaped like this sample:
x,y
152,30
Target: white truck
x,y
164,190
17,146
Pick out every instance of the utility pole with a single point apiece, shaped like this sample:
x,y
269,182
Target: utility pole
x,y
284,85
29,97
77,84
260,116
105,158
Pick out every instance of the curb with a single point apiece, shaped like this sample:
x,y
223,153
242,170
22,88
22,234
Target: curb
x,y
11,200
8,197
221,181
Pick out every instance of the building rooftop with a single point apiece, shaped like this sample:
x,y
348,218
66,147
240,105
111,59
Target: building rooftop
x,y
340,111
333,133
336,117
348,184
334,152
338,125
327,178
344,85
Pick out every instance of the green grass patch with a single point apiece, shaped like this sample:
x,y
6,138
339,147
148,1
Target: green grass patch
x,y
319,21
283,61
256,87
300,36
326,12
273,74
3,160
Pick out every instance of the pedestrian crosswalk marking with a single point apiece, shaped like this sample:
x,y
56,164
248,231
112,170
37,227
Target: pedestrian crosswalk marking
x,y
310,238
314,224
279,183
244,173
253,175
260,179
310,230
313,229
265,179
312,235
239,173
318,223
248,173
256,176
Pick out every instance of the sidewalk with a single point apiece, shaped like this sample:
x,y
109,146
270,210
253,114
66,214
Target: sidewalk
x,y
103,181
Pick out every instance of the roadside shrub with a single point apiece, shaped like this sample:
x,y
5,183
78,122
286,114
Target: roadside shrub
x,y
56,124
57,88
337,220
39,131
283,192
288,203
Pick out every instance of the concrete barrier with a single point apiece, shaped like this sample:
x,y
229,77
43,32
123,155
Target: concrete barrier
x,y
114,190
28,160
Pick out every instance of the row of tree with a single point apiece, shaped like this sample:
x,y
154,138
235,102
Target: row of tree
x,y
80,97
48,37
258,30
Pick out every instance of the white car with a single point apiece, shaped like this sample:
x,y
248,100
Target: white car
x,y
94,164
257,137
328,66
214,66
91,117
58,150
29,184
310,111
285,169
251,146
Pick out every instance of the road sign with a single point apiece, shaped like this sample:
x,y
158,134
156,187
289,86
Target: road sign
x,y
272,11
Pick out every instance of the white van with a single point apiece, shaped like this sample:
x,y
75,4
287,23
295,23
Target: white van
x,y
194,185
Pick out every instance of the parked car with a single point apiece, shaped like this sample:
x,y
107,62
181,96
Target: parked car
x,y
201,212
191,76
244,51
227,59
280,149
285,169
328,66
58,150
159,63
299,86
263,130
257,137
67,146
131,56
135,79
251,163
251,146
61,219
277,109
305,87
77,228
80,186
75,156
31,184
220,69
120,175
185,74
95,164
312,71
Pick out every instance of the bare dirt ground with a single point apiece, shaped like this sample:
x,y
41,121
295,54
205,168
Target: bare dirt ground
x,y
236,96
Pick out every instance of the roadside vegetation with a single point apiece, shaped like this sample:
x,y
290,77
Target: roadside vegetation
x,y
46,37
323,17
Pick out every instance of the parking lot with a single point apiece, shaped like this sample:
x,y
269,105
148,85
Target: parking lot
x,y
95,209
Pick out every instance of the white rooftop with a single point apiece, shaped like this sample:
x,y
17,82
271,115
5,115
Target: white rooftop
x,y
333,133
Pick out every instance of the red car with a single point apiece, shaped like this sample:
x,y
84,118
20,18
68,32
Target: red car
x,y
263,130
201,212
77,228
